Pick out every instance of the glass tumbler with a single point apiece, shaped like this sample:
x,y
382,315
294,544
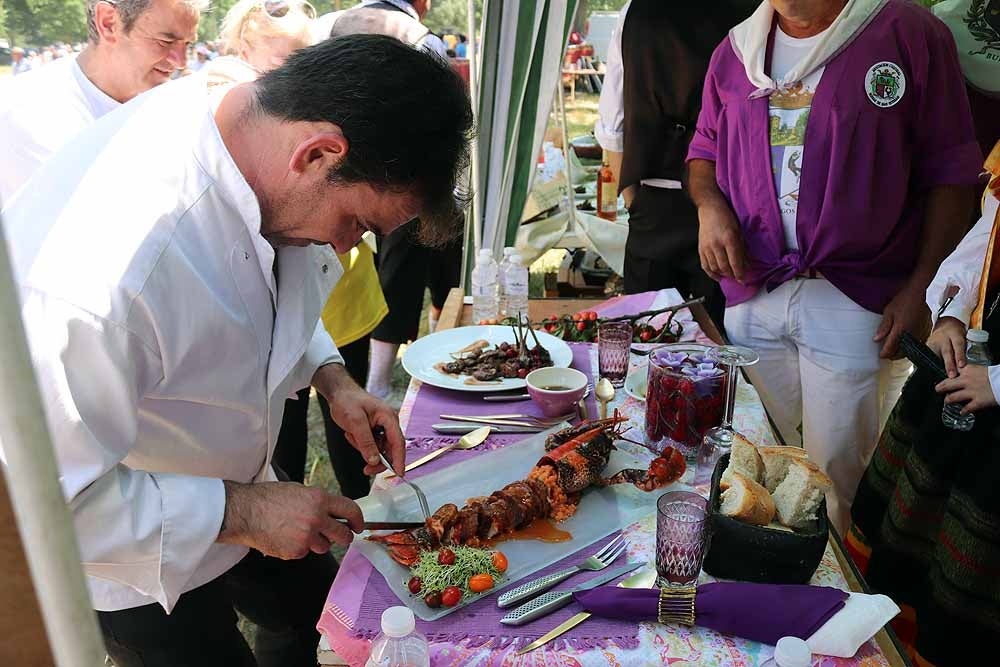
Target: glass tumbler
x,y
681,537
613,342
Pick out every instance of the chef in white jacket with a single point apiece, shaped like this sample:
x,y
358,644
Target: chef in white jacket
x,y
173,260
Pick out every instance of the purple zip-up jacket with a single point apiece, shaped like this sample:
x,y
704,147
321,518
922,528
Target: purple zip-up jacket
x,y
867,169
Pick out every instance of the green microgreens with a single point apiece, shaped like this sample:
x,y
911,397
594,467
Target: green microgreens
x,y
435,577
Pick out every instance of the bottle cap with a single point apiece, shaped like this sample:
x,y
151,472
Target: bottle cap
x,y
398,622
789,652
516,259
509,250
485,254
977,336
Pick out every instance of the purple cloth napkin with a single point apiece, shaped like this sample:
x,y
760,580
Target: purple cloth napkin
x,y
432,402
761,612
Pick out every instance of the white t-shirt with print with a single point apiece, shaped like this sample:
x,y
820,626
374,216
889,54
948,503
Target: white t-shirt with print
x,y
788,114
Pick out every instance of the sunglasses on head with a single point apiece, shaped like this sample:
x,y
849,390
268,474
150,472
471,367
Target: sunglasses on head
x,y
280,8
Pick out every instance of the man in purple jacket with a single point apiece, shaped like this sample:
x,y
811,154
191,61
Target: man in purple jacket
x,y
831,169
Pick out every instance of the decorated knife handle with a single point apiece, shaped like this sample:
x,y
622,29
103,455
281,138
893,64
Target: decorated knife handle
x,y
540,606
532,588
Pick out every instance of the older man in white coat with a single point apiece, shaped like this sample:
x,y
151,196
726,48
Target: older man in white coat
x,y
173,260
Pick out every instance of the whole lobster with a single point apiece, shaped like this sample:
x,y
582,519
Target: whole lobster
x,y
575,460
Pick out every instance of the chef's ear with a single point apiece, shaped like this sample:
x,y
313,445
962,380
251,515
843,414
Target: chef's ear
x,y
107,22
324,151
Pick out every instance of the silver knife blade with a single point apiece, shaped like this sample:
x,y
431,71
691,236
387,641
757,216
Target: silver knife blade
x,y
462,429
549,602
506,399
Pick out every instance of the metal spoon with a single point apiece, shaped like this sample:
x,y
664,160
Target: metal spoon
x,y
605,393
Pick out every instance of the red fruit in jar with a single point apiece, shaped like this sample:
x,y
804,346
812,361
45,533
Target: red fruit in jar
x,y
432,600
446,556
645,336
522,373
504,346
511,353
451,596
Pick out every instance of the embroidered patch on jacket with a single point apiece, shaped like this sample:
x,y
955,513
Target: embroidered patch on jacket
x,y
885,84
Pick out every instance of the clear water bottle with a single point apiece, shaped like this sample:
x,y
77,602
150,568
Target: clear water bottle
x,y
502,280
976,352
790,652
517,288
399,644
484,287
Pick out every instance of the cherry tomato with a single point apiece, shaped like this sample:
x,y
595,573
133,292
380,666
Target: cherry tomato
x,y
592,316
645,336
414,584
480,582
522,373
432,600
499,561
577,317
580,326
446,557
451,596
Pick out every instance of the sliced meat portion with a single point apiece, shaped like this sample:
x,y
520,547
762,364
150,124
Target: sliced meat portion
x,y
516,511
521,492
542,493
501,519
439,522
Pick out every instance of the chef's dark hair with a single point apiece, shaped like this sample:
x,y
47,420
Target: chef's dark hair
x,y
404,111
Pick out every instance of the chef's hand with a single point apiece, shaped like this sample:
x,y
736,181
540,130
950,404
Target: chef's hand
x,y
358,413
947,340
720,244
286,519
906,312
972,385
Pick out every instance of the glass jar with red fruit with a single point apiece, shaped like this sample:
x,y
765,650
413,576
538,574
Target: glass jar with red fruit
x,y
685,397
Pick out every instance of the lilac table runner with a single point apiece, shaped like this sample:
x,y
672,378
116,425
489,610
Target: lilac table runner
x,y
432,402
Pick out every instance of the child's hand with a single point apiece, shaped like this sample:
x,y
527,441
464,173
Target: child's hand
x,y
948,341
972,385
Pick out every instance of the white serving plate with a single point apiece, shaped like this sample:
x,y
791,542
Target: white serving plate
x,y
425,353
601,512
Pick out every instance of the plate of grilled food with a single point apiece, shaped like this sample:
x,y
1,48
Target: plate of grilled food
x,y
483,358
536,502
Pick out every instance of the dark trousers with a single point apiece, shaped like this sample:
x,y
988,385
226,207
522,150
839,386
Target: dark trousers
x,y
284,598
405,268
290,449
662,249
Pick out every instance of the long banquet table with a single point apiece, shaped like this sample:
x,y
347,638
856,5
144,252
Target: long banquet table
x,y
348,617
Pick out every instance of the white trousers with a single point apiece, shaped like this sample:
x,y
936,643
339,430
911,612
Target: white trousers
x,y
819,376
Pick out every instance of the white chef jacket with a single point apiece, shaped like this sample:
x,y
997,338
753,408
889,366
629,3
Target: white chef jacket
x,y
163,347
609,130
39,113
963,269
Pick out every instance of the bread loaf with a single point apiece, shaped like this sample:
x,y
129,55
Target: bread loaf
x,y
743,459
776,460
747,501
800,493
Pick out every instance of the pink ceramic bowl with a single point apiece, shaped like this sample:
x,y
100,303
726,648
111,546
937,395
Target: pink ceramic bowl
x,y
556,390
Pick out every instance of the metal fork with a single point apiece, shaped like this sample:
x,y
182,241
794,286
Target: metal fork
x,y
600,560
510,420
421,498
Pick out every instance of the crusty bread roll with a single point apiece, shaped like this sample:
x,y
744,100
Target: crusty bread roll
x,y
747,501
776,460
743,459
800,493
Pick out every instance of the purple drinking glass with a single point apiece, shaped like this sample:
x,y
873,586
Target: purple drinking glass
x,y
681,537
613,342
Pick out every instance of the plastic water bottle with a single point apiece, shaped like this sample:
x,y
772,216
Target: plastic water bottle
x,y
502,280
978,353
790,652
517,288
399,644
484,287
